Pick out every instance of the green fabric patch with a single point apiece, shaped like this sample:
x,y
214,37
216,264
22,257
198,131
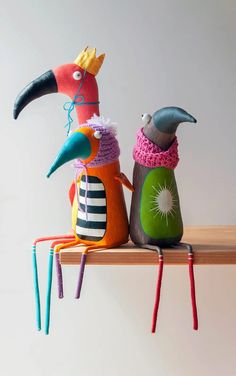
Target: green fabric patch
x,y
160,213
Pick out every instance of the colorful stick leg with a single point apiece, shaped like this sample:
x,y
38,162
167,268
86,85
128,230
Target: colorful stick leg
x,y
82,267
159,283
48,294
36,288
35,273
82,262
49,282
73,243
192,281
58,265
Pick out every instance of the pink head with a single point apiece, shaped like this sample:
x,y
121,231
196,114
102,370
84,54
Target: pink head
x,y
77,80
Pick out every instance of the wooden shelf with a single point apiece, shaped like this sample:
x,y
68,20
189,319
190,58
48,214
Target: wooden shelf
x,y
211,244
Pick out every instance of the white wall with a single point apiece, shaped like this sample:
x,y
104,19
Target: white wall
x,y
159,53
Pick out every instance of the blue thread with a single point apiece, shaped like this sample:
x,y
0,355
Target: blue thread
x,y
36,288
77,101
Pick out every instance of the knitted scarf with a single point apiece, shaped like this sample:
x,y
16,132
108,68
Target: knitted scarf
x,y
109,150
148,154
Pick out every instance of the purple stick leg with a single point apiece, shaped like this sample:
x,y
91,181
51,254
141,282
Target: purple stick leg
x,y
81,275
59,277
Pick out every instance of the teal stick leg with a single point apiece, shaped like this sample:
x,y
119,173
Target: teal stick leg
x,y
36,288
49,288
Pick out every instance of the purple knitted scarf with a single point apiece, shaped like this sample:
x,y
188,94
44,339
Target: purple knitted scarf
x,y
109,150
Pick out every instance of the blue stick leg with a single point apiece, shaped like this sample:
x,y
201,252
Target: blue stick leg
x,y
49,288
36,288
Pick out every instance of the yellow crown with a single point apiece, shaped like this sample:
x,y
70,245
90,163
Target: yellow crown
x,y
88,61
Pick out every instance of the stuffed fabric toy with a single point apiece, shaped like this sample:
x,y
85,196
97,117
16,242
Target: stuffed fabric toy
x,y
155,219
99,218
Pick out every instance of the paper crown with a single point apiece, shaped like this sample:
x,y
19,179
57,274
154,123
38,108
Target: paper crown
x,y
88,61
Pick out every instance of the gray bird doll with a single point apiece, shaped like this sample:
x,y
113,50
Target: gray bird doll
x,y
155,218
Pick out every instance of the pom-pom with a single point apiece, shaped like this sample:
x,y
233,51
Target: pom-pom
x,y
105,122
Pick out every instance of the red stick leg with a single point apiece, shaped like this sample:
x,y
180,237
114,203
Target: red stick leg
x,y
193,293
158,293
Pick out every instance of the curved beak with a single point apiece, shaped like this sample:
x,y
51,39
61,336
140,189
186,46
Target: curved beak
x,y
76,146
44,84
167,119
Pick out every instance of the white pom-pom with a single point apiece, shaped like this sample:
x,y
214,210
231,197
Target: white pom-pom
x,y
105,122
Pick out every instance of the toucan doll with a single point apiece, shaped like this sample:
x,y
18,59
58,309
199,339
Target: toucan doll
x,y
96,150
155,219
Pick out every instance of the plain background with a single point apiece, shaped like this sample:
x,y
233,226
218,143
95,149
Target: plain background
x,y
159,53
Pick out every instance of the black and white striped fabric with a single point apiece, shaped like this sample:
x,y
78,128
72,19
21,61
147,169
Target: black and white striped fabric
x,y
94,227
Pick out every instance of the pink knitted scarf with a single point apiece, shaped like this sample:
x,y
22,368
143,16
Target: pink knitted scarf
x,y
148,154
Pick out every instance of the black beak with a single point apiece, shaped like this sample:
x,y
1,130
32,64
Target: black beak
x,y
44,84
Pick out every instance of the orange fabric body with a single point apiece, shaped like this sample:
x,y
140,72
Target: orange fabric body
x,y
117,230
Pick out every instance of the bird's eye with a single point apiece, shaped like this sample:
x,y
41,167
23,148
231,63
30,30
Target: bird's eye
x,y
77,75
97,135
146,118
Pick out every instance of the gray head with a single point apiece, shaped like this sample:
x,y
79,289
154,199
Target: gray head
x,y
161,127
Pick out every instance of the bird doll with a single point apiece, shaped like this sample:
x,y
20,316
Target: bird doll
x,y
155,217
99,217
